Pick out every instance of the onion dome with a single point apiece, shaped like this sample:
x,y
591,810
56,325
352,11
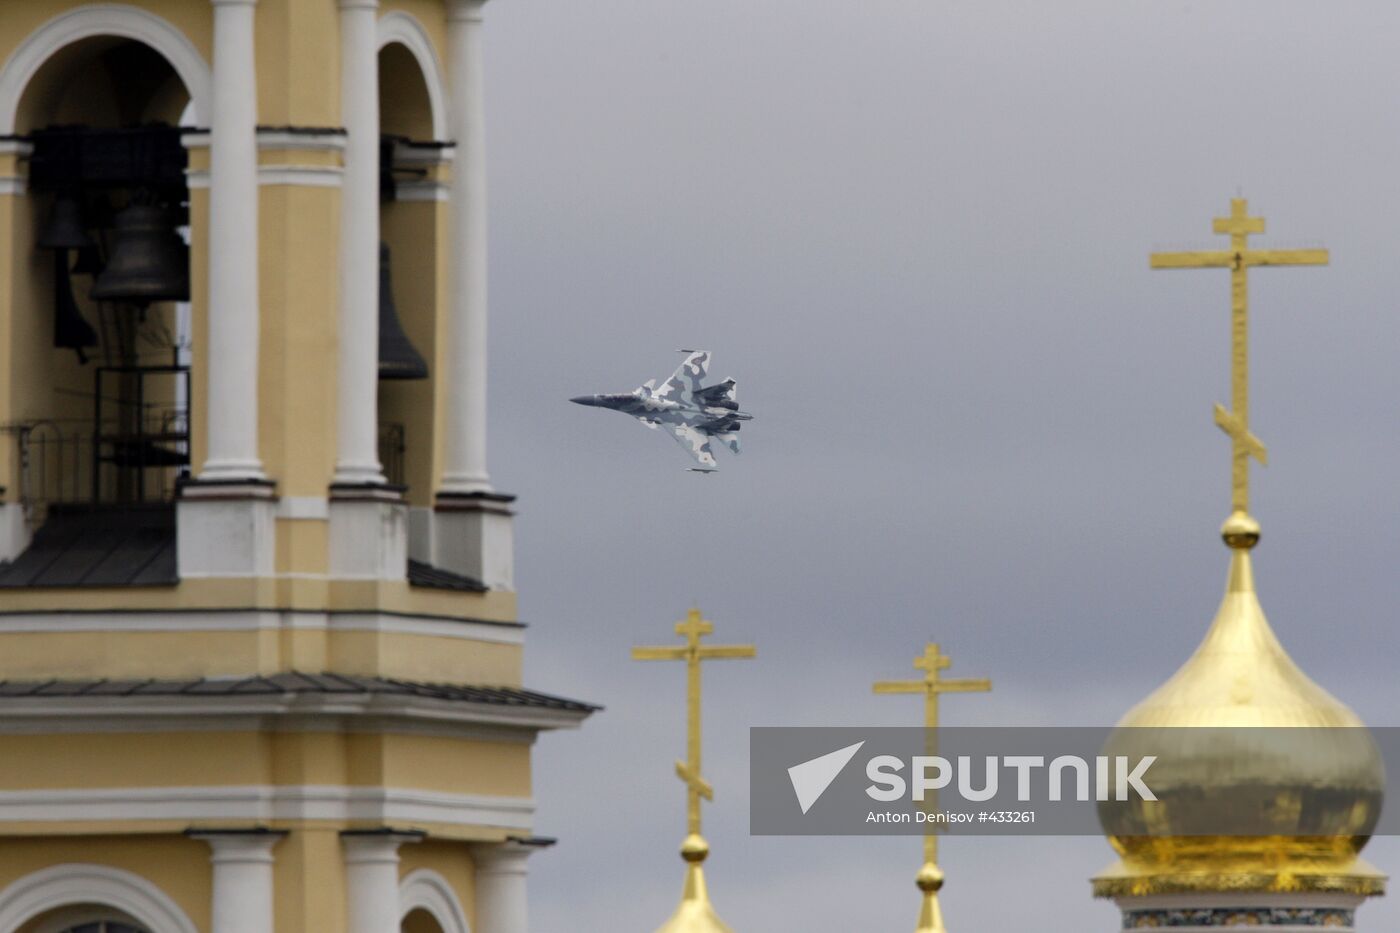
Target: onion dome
x,y
1255,745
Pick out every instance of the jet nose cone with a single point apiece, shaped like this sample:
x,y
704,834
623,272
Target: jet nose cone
x,y
590,400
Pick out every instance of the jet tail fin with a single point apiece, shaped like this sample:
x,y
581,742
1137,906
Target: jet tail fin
x,y
729,439
686,379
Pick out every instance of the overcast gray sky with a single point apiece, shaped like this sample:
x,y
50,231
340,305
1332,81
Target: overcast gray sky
x,y
917,232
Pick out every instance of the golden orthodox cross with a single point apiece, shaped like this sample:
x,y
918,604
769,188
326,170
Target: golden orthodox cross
x,y
932,685
1238,259
692,653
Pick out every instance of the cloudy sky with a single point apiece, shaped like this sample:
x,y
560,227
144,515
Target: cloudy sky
x,y
917,234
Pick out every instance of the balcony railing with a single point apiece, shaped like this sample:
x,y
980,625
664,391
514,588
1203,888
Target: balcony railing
x,y
391,453
74,462
131,451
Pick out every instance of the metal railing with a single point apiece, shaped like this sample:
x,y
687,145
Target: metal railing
x,y
133,455
74,461
391,453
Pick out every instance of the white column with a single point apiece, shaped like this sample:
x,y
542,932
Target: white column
x,y
501,904
464,447
242,900
232,405
357,425
372,880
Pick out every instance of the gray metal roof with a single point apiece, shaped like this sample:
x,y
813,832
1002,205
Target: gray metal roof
x,y
422,574
98,546
294,682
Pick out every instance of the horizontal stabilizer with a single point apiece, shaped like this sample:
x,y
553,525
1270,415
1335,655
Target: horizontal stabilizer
x,y
726,391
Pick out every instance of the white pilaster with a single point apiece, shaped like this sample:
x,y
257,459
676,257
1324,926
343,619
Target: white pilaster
x,y
474,535
242,895
368,533
464,446
357,424
501,902
14,530
225,530
232,407
372,880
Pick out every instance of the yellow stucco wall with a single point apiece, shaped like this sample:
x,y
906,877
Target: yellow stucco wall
x,y
135,654
234,757
176,865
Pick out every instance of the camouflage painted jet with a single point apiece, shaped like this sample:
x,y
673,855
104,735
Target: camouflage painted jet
x,y
694,414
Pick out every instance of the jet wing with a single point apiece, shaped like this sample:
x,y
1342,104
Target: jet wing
x,y
687,377
697,443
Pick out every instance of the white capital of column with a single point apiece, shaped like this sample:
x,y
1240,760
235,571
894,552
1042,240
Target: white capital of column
x,y
357,423
242,862
232,407
372,880
501,895
464,447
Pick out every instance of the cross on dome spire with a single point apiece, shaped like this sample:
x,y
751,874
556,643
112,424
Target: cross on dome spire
x,y
1241,531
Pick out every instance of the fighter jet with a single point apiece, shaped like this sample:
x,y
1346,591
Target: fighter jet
x,y
692,413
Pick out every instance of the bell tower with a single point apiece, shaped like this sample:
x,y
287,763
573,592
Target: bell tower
x,y
260,668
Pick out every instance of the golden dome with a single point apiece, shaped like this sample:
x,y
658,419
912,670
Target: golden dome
x,y
694,915
1261,746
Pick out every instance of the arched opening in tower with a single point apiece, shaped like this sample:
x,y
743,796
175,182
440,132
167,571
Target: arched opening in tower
x,y
412,222
420,921
97,367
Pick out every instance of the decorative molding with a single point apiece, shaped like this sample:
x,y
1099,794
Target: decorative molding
x,y
409,191
263,803
306,139
260,620
402,28
103,19
332,712
306,176
425,889
76,883
302,176
1234,918
303,507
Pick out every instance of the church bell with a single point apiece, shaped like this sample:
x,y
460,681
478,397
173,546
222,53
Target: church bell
x,y
398,359
148,260
64,227
64,230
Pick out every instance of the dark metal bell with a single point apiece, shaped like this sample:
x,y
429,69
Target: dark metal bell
x,y
64,227
398,359
70,328
148,262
